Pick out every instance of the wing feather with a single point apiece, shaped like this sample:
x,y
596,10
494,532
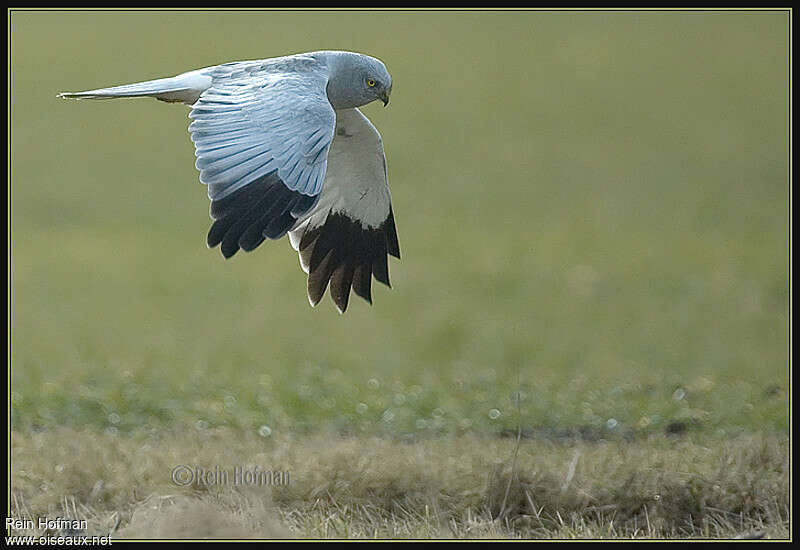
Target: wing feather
x,y
344,241
261,139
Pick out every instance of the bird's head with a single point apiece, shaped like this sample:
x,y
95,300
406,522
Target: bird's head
x,y
378,81
358,79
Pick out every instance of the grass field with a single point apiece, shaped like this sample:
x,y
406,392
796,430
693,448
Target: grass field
x,y
593,214
451,487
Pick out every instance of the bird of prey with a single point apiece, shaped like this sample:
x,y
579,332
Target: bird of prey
x,y
283,148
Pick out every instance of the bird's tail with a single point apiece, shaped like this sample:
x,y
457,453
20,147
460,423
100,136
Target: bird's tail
x,y
185,88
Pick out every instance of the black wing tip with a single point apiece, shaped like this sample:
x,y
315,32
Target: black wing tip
x,y
263,209
345,255
341,308
341,283
392,244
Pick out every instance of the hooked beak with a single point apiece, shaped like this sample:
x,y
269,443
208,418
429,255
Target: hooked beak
x,y
385,96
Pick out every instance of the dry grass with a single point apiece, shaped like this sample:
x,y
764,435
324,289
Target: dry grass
x,y
374,487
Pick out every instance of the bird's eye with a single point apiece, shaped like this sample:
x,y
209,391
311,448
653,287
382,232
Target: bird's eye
x,y
370,83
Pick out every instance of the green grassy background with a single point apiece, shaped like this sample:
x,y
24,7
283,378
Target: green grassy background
x,y
592,211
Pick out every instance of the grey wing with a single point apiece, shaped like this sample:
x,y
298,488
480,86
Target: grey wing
x,y
262,145
346,239
183,88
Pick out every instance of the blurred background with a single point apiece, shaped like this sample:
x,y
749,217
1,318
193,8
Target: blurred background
x,y
592,210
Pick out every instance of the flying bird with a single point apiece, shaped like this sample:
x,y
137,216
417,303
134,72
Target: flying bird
x,y
284,149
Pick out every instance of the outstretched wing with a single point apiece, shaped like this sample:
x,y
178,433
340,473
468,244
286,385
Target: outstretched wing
x,y
346,239
261,140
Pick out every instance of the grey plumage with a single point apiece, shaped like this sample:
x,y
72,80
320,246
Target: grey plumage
x,y
283,148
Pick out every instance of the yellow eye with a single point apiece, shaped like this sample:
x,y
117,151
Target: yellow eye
x,y
370,82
